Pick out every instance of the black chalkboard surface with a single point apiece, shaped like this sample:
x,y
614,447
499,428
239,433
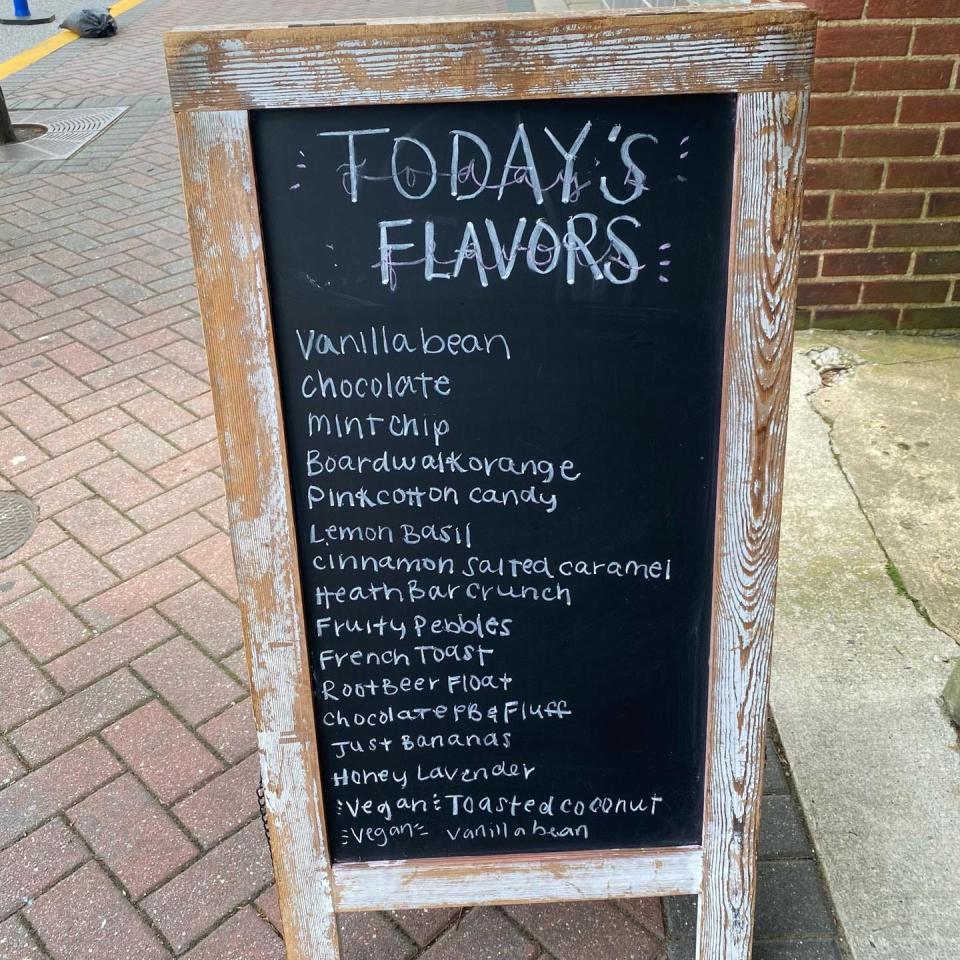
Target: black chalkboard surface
x,y
499,329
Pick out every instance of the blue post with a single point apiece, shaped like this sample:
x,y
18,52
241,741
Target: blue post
x,y
22,14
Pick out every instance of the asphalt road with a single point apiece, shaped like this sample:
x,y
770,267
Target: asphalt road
x,y
17,38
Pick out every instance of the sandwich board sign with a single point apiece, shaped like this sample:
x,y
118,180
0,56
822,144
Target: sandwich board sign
x,y
498,316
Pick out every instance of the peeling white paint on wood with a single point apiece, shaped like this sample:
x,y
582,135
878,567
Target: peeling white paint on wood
x,y
225,235
404,61
401,885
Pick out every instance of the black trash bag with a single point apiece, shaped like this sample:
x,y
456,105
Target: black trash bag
x,y
90,22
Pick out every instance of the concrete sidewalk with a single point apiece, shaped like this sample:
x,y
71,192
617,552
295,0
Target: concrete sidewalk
x,y
867,624
128,818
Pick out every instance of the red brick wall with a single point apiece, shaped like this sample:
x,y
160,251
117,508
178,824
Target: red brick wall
x,y
881,235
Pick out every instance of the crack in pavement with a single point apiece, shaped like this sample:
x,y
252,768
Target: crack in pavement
x,y
898,582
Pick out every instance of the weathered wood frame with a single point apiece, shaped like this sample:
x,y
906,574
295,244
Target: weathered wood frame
x,y
763,53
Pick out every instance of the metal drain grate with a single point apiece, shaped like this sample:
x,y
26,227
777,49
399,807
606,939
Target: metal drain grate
x,y
18,520
66,132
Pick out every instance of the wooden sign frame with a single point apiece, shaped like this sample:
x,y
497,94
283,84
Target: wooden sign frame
x,y
763,53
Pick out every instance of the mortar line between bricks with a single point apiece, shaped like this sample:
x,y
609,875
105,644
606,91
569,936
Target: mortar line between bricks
x,y
617,903
60,406
203,576
462,912
215,924
90,855
83,796
167,808
528,934
75,609
191,727
216,752
97,733
242,680
38,348
452,925
200,784
180,451
187,865
94,734
116,453
390,919
237,909
121,668
94,631
260,913
114,879
102,558
22,760
94,857
34,935
22,473
189,638
37,665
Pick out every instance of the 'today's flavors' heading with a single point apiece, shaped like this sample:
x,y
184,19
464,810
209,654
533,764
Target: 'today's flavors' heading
x,y
610,246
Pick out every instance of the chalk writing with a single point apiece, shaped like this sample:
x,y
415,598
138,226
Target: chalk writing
x,y
503,489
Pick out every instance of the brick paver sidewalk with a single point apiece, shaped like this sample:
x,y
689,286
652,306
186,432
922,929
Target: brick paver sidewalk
x,y
129,826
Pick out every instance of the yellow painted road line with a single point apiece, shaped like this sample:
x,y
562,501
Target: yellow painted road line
x,y
36,52
122,6
60,39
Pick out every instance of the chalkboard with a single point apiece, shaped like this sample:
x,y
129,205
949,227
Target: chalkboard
x,y
499,335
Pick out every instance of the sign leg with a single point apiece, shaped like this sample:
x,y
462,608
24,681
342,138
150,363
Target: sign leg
x,y
725,927
232,284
